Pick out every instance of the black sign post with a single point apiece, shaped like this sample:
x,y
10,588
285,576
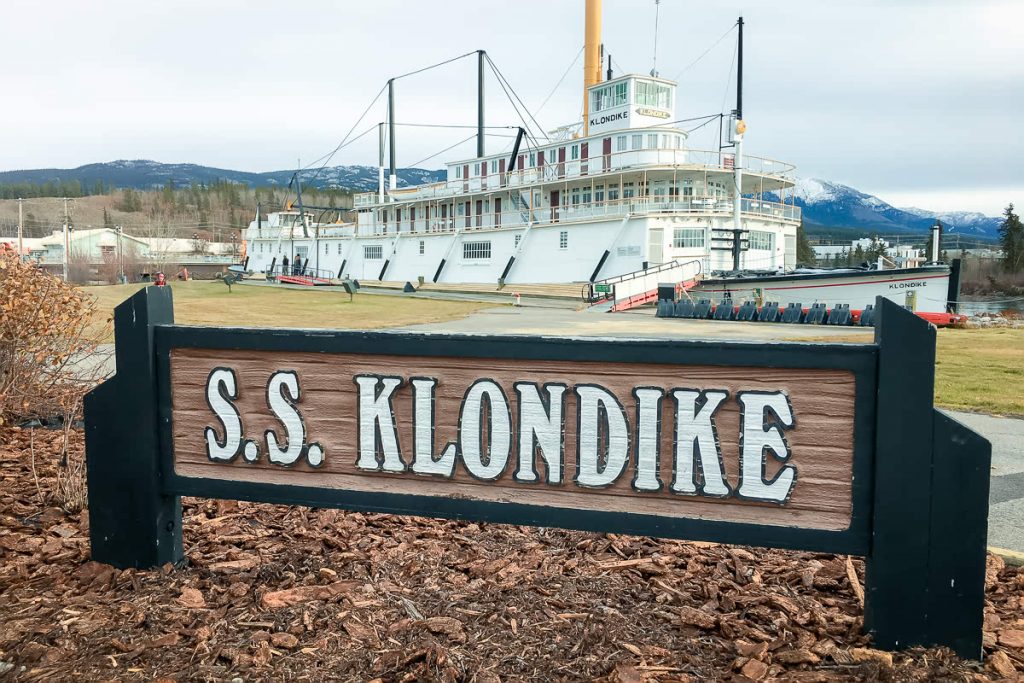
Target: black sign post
x,y
199,411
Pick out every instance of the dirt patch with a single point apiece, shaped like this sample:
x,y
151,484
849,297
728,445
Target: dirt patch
x,y
280,593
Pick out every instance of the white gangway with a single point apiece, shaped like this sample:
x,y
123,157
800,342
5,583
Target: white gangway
x,y
640,287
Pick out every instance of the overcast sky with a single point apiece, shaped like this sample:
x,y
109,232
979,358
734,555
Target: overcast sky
x,y
917,101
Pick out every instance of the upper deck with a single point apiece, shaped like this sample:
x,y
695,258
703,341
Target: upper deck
x,y
636,151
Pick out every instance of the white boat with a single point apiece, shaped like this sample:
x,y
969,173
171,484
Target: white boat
x,y
619,192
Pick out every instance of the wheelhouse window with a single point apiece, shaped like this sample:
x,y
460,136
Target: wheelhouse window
x,y
476,251
608,96
688,238
651,94
373,252
762,241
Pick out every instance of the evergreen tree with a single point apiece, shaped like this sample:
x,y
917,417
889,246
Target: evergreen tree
x,y
858,256
107,222
804,250
1011,239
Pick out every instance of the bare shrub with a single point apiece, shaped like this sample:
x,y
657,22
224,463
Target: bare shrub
x,y
44,325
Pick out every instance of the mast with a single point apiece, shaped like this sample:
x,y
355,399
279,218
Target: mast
x,y
741,127
380,159
591,57
392,178
480,56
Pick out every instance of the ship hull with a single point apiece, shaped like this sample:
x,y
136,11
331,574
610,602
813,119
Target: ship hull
x,y
924,290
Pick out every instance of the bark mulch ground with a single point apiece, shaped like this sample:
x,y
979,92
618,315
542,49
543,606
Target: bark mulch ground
x,y
278,593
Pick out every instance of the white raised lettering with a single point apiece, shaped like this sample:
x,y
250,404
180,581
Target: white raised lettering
x,y
597,408
221,389
540,431
423,461
499,430
759,435
285,411
648,433
376,416
697,438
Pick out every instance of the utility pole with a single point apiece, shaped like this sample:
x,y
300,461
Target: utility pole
x,y
21,231
120,257
67,242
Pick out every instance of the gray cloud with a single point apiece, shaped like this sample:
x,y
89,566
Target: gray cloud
x,y
897,95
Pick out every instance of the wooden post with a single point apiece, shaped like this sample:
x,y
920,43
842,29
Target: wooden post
x,y
925,569
131,522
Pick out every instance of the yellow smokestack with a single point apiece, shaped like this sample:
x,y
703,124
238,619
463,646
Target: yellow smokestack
x,y
591,57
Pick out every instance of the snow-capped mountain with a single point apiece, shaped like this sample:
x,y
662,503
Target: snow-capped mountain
x,y
824,203
830,204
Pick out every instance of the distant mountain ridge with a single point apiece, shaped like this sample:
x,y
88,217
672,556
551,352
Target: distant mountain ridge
x,y
143,174
830,204
824,203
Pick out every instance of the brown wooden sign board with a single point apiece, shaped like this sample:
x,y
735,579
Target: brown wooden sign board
x,y
782,445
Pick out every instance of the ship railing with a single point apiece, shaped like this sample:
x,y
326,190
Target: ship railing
x,y
594,166
609,209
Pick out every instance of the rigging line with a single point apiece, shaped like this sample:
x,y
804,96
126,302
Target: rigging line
x,y
445,125
434,66
705,53
327,157
460,142
529,133
691,130
557,85
501,77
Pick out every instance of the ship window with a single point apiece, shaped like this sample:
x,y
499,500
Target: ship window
x,y
637,141
598,193
563,239
628,190
575,196
373,252
476,169
458,171
764,241
586,195
533,159
518,237
575,152
339,248
613,193
476,250
653,94
688,238
494,165
620,143
422,247
326,249
652,141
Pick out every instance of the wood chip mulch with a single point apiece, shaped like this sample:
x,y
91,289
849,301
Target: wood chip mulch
x,y
281,593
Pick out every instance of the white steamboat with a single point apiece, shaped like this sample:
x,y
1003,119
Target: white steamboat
x,y
621,192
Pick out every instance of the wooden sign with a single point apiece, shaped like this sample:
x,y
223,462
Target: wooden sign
x,y
822,447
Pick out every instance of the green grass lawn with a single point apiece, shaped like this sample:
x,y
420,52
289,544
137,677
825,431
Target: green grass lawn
x,y
976,369
981,370
210,303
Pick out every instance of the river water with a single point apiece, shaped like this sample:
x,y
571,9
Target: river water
x,y
1014,305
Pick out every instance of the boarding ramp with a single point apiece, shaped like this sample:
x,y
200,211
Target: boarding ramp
x,y
300,274
624,292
